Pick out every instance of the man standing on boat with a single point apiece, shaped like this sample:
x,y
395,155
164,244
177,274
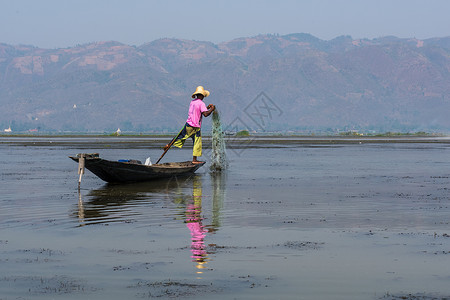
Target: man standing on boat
x,y
197,110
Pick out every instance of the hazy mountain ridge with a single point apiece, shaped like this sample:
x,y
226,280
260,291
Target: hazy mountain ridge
x,y
381,84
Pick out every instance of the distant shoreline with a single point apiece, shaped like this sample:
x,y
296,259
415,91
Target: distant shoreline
x,y
232,142
342,135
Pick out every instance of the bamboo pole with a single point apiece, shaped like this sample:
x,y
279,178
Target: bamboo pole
x,y
81,160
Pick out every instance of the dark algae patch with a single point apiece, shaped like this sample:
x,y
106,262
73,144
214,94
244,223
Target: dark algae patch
x,y
55,285
300,245
418,296
171,289
205,289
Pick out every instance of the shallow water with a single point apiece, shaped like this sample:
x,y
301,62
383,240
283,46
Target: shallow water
x,y
286,221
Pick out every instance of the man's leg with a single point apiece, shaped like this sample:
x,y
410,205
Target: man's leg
x,y
197,150
180,138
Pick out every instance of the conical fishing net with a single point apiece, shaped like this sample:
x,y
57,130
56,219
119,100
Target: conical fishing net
x,y
218,155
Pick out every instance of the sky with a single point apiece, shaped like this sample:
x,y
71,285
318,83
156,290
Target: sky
x,y
66,23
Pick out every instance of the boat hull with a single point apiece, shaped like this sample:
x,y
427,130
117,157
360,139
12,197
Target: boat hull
x,y
120,172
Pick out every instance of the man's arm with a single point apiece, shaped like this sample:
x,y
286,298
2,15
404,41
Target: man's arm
x,y
211,108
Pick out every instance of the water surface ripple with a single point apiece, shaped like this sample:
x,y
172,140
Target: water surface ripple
x,y
289,219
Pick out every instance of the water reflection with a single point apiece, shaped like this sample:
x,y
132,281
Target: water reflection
x,y
191,212
124,202
130,202
218,181
194,221
80,209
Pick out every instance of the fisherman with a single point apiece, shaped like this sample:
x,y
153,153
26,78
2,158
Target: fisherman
x,y
197,109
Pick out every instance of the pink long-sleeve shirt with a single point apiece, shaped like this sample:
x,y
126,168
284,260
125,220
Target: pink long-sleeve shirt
x,y
196,108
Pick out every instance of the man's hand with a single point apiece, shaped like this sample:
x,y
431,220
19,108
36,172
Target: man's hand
x,y
211,108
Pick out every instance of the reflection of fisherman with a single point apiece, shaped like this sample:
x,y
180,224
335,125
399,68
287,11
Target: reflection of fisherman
x,y
194,223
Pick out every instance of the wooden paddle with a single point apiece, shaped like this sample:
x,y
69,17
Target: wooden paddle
x,y
170,145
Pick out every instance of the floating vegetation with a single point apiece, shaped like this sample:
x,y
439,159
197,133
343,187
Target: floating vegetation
x,y
51,285
418,296
302,245
172,289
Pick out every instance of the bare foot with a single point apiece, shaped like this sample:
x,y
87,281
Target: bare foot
x,y
197,162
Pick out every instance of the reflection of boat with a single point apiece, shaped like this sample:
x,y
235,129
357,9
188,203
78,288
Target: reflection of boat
x,y
134,171
121,202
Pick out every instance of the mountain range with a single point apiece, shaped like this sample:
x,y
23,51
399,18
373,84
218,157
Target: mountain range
x,y
265,83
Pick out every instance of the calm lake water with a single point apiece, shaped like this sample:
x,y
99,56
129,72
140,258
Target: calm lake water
x,y
288,220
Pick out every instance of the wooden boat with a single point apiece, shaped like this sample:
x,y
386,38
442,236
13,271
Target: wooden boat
x,y
132,170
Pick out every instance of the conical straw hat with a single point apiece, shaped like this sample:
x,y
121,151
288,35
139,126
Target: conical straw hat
x,y
200,90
